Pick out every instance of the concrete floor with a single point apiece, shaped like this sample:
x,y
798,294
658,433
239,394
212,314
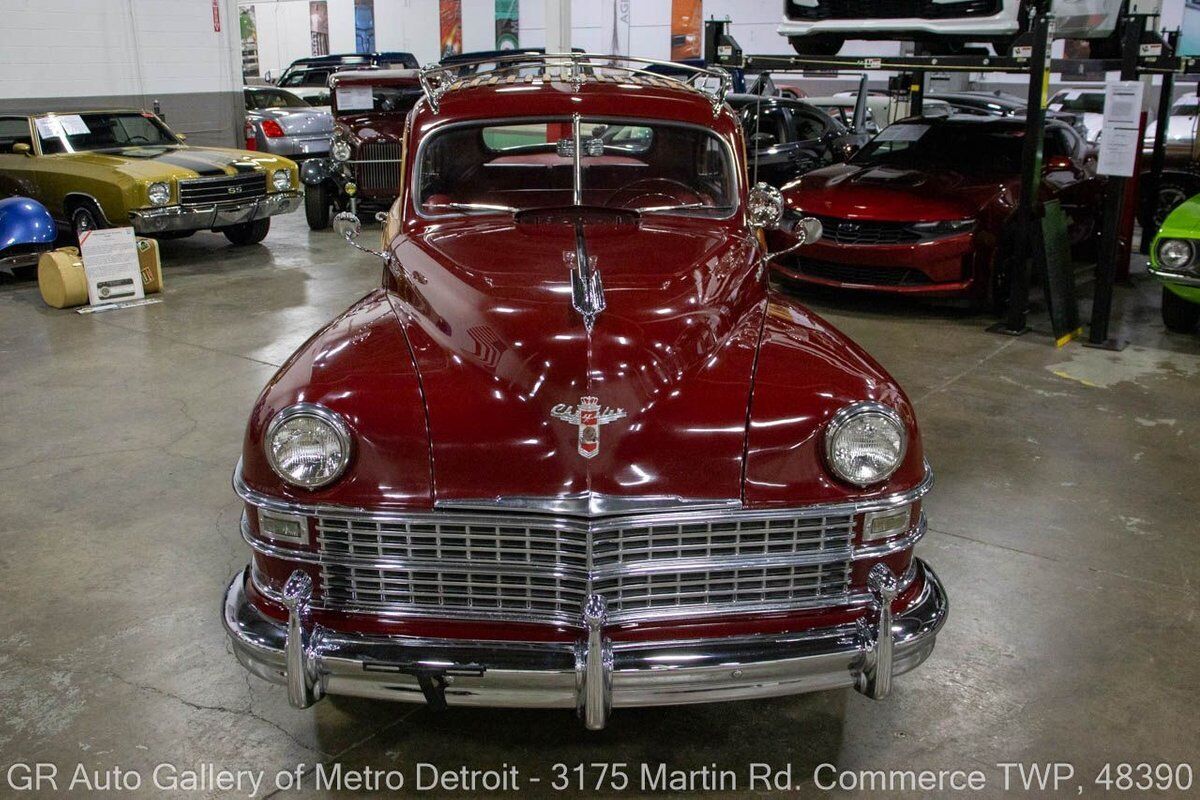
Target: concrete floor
x,y
1063,524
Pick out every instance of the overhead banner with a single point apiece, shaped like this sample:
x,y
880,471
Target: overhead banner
x,y
250,68
687,18
364,26
318,26
451,27
507,14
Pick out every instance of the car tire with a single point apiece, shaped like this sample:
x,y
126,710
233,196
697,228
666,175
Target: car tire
x,y
1179,315
816,45
85,217
1170,193
248,233
317,202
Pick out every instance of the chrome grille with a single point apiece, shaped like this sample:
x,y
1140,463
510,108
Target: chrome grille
x,y
853,231
541,568
377,168
223,189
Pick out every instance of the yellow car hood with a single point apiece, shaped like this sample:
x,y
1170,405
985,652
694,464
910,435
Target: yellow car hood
x,y
159,163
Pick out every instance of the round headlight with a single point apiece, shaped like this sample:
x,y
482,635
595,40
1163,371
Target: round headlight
x,y
308,445
281,179
340,149
159,193
865,443
1176,254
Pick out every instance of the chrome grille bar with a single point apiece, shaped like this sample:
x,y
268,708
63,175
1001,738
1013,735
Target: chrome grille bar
x,y
222,189
377,167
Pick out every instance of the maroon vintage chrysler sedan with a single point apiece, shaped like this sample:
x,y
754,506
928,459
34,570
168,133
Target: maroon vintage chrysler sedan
x,y
575,452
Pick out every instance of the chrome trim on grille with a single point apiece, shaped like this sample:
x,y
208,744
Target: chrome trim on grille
x,y
376,167
541,568
223,188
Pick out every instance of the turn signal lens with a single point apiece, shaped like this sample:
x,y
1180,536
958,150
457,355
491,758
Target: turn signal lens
x,y
886,524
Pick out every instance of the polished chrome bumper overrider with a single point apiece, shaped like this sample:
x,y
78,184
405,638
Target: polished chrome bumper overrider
x,y
210,216
594,674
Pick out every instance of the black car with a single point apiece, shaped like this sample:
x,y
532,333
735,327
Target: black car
x,y
787,137
315,71
1000,104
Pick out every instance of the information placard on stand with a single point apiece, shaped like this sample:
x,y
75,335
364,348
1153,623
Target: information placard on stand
x,y
110,262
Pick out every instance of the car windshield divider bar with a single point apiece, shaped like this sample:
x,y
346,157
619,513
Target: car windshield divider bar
x,y
576,69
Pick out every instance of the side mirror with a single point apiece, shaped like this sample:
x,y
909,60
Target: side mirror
x,y
765,206
348,226
268,78
808,230
21,148
181,137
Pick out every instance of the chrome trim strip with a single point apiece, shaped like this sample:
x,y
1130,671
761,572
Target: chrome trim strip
x,y
583,524
1174,277
588,504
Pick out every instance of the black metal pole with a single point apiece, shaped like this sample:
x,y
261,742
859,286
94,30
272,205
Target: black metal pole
x,y
1158,154
1114,207
1029,208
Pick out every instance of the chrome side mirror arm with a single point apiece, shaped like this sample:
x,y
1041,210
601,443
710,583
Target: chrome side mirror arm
x,y
348,226
808,230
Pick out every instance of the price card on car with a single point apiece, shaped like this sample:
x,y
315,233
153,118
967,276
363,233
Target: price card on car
x,y
355,98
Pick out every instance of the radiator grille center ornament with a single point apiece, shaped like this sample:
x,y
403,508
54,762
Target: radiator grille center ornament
x,y
589,417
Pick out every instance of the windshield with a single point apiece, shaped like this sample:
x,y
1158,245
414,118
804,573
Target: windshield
x,y
971,149
260,99
100,130
1079,102
647,167
1187,107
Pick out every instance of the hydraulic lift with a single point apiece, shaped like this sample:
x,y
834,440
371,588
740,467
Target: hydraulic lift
x,y
1144,53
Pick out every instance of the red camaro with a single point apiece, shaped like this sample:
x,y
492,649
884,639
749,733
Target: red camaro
x,y
574,452
926,208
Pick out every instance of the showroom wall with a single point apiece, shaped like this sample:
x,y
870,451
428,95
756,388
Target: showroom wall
x,y
71,54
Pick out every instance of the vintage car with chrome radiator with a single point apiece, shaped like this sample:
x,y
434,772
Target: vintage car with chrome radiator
x,y
97,169
370,108
576,452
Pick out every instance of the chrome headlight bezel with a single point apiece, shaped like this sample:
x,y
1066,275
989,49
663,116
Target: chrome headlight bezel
x,y
857,412
340,150
323,415
1187,252
281,180
159,193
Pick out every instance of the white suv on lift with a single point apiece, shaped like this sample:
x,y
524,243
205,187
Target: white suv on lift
x,y
820,27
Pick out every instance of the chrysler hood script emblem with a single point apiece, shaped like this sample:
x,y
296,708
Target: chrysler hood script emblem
x,y
589,417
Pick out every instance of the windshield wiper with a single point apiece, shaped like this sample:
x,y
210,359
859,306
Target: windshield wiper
x,y
474,207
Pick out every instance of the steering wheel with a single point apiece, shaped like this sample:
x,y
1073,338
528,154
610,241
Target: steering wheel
x,y
660,191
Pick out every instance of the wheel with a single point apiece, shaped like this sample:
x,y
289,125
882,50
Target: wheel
x,y
85,217
999,289
1179,315
1171,194
248,232
317,201
822,45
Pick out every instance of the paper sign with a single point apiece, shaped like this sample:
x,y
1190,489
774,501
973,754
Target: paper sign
x,y
1120,143
110,262
73,125
48,127
355,98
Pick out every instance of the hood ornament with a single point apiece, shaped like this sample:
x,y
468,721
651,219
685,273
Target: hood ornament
x,y
587,291
589,417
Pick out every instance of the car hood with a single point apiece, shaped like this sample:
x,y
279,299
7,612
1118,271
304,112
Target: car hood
x,y
852,191
1183,222
157,163
506,363
298,121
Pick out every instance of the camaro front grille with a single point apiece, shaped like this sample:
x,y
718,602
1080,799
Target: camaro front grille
x,y
891,9
542,568
377,168
225,189
848,231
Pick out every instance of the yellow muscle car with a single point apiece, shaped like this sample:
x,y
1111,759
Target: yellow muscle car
x,y
95,169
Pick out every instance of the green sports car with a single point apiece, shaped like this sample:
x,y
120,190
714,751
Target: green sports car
x,y
1175,260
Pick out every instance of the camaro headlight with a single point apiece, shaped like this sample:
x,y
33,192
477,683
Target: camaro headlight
x,y
281,179
159,193
308,445
944,227
1176,254
865,443
340,149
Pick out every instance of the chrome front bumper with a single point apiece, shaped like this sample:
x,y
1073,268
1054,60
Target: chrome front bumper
x,y
591,675
1191,281
212,216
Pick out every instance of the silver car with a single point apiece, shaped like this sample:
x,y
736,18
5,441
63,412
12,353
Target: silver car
x,y
279,122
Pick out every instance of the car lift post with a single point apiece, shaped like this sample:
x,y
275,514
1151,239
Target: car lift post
x,y
1158,155
1029,208
1114,206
